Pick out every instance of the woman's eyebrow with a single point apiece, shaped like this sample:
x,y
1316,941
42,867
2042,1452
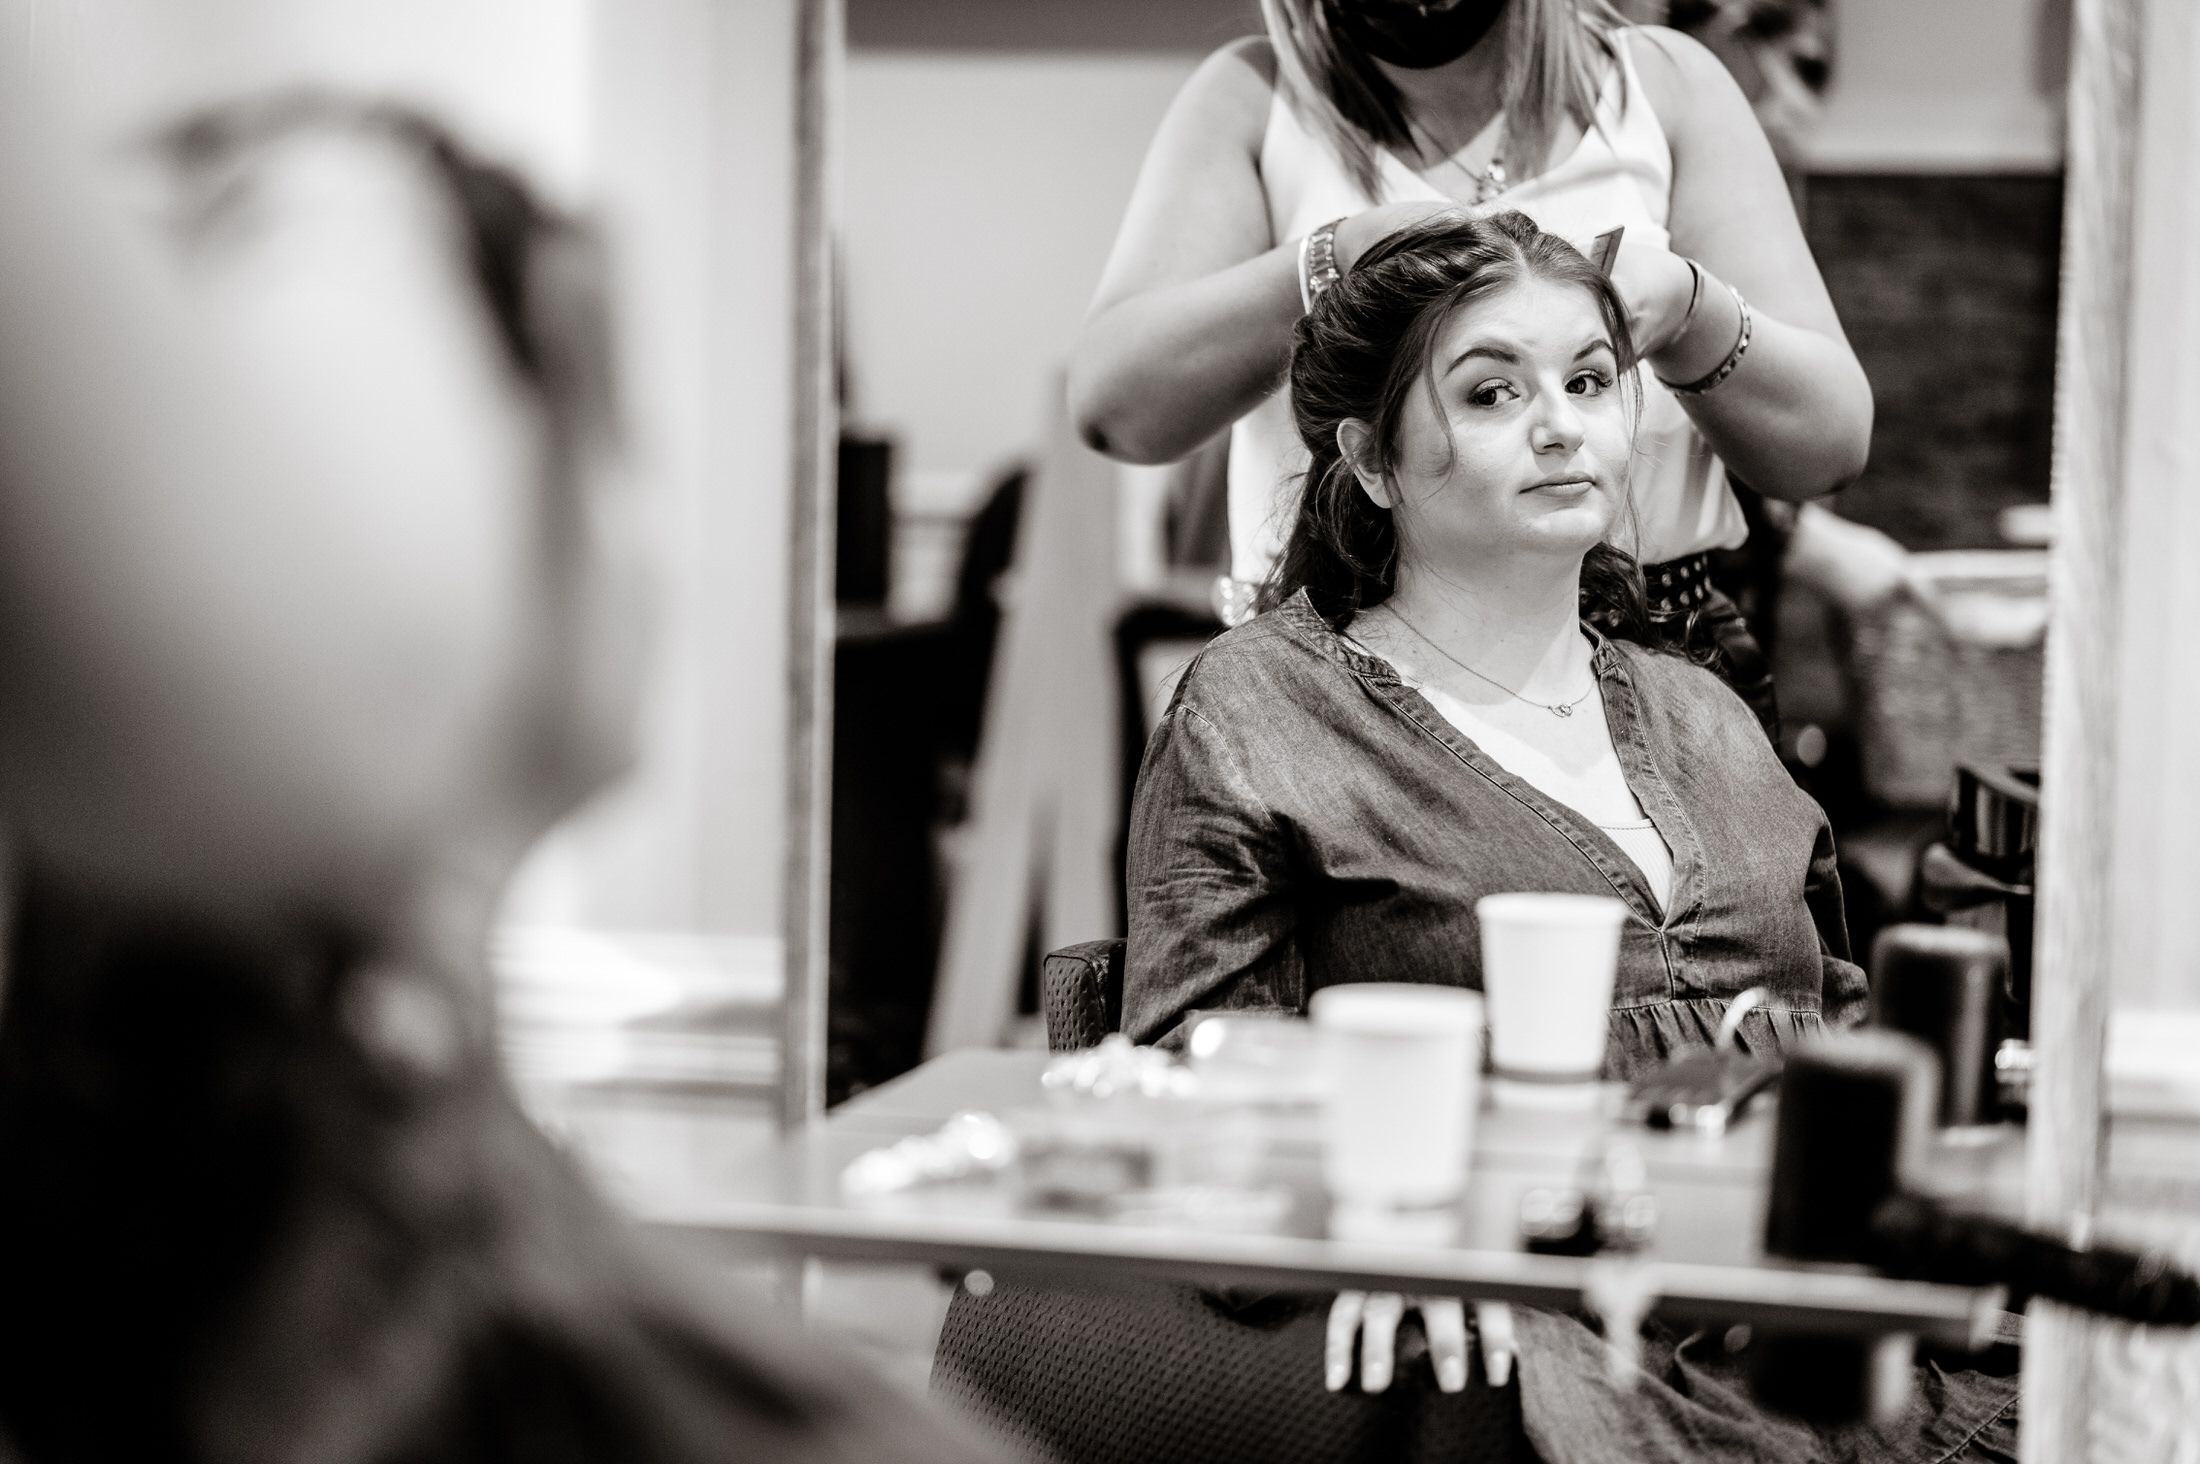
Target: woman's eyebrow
x,y
1496,350
1512,355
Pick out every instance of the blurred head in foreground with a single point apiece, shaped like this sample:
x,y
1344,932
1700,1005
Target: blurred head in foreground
x,y
318,603
388,623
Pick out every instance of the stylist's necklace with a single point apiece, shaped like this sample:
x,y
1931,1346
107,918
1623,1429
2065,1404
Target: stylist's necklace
x,y
1490,181
1556,709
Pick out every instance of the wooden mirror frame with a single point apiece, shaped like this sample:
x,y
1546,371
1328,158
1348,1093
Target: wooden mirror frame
x,y
820,52
2127,368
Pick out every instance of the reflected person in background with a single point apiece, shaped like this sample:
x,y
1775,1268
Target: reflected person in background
x,y
1426,715
319,602
1285,158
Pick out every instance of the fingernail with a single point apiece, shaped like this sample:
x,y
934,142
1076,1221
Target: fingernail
x,y
1338,1376
1374,1380
1499,1365
1452,1375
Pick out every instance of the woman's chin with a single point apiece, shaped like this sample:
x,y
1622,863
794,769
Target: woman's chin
x,y
1571,528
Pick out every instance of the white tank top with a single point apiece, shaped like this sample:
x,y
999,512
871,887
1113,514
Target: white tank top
x,y
1620,174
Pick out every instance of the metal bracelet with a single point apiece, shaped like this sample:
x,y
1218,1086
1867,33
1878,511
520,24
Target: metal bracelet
x,y
1725,368
1695,295
1318,263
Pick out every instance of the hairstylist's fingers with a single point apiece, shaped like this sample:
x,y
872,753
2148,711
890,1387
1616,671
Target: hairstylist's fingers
x,y
1444,1318
1344,1330
1655,284
1379,1339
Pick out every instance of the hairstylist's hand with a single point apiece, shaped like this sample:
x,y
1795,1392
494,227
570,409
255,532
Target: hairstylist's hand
x,y
1372,1318
1655,282
1363,230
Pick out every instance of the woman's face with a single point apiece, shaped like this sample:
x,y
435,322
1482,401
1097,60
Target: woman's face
x,y
1513,451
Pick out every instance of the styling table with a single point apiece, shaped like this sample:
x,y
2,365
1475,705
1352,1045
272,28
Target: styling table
x,y
1704,1262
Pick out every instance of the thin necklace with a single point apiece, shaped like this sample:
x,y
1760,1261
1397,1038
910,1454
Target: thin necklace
x,y
1488,183
1556,709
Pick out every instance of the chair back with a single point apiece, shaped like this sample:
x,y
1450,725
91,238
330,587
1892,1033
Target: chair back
x,y
1081,991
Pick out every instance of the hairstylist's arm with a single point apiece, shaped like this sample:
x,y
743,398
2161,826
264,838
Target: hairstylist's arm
x,y
1192,323
1794,420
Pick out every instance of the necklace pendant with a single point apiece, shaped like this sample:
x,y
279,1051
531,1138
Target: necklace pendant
x,y
1562,711
1491,183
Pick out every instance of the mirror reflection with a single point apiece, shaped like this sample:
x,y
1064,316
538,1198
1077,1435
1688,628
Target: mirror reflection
x,y
1110,461
1119,269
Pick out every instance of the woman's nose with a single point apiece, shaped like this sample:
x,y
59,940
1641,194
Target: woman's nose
x,y
1557,426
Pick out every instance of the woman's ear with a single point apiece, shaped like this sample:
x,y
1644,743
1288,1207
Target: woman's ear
x,y
1353,437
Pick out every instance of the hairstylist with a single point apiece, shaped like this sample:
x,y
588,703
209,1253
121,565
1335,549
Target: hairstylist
x,y
1285,158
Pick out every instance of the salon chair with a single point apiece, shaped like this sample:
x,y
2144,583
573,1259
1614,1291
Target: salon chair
x,y
1081,992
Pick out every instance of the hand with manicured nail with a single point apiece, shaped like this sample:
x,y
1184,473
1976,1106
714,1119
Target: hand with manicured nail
x,y
1371,1319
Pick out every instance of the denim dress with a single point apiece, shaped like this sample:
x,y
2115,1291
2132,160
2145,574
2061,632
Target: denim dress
x,y
1304,818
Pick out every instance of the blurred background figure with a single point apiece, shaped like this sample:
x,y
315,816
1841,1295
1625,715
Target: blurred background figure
x,y
320,601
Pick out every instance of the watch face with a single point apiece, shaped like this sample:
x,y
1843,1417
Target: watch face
x,y
1415,36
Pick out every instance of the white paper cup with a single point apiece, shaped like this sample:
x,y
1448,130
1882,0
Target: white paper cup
x,y
1402,1068
1548,964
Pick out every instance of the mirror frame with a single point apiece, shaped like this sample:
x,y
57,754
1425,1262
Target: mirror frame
x,y
820,49
2126,283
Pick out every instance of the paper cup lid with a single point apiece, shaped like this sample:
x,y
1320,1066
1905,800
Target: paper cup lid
x,y
1526,908
1397,1009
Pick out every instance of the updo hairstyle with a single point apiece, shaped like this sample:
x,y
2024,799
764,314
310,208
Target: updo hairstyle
x,y
1363,347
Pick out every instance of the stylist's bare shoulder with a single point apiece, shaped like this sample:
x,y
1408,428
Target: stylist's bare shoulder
x,y
1230,93
1198,206
1688,87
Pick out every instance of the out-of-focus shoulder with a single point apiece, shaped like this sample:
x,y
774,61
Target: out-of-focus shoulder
x,y
1662,53
1233,88
1677,71
1247,53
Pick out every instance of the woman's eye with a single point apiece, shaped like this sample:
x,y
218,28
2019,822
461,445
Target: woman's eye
x,y
1489,394
1589,383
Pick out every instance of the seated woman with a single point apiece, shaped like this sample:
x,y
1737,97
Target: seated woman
x,y
1423,716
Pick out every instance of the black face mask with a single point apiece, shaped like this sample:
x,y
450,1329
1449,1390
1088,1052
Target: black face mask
x,y
1402,33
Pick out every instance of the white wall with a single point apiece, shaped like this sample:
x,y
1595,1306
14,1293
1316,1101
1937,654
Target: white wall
x,y
982,194
693,132
1951,86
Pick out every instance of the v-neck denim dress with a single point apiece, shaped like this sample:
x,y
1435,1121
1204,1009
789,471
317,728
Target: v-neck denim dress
x,y
1305,818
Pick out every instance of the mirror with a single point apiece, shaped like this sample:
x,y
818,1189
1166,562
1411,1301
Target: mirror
x,y
1906,626
987,148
